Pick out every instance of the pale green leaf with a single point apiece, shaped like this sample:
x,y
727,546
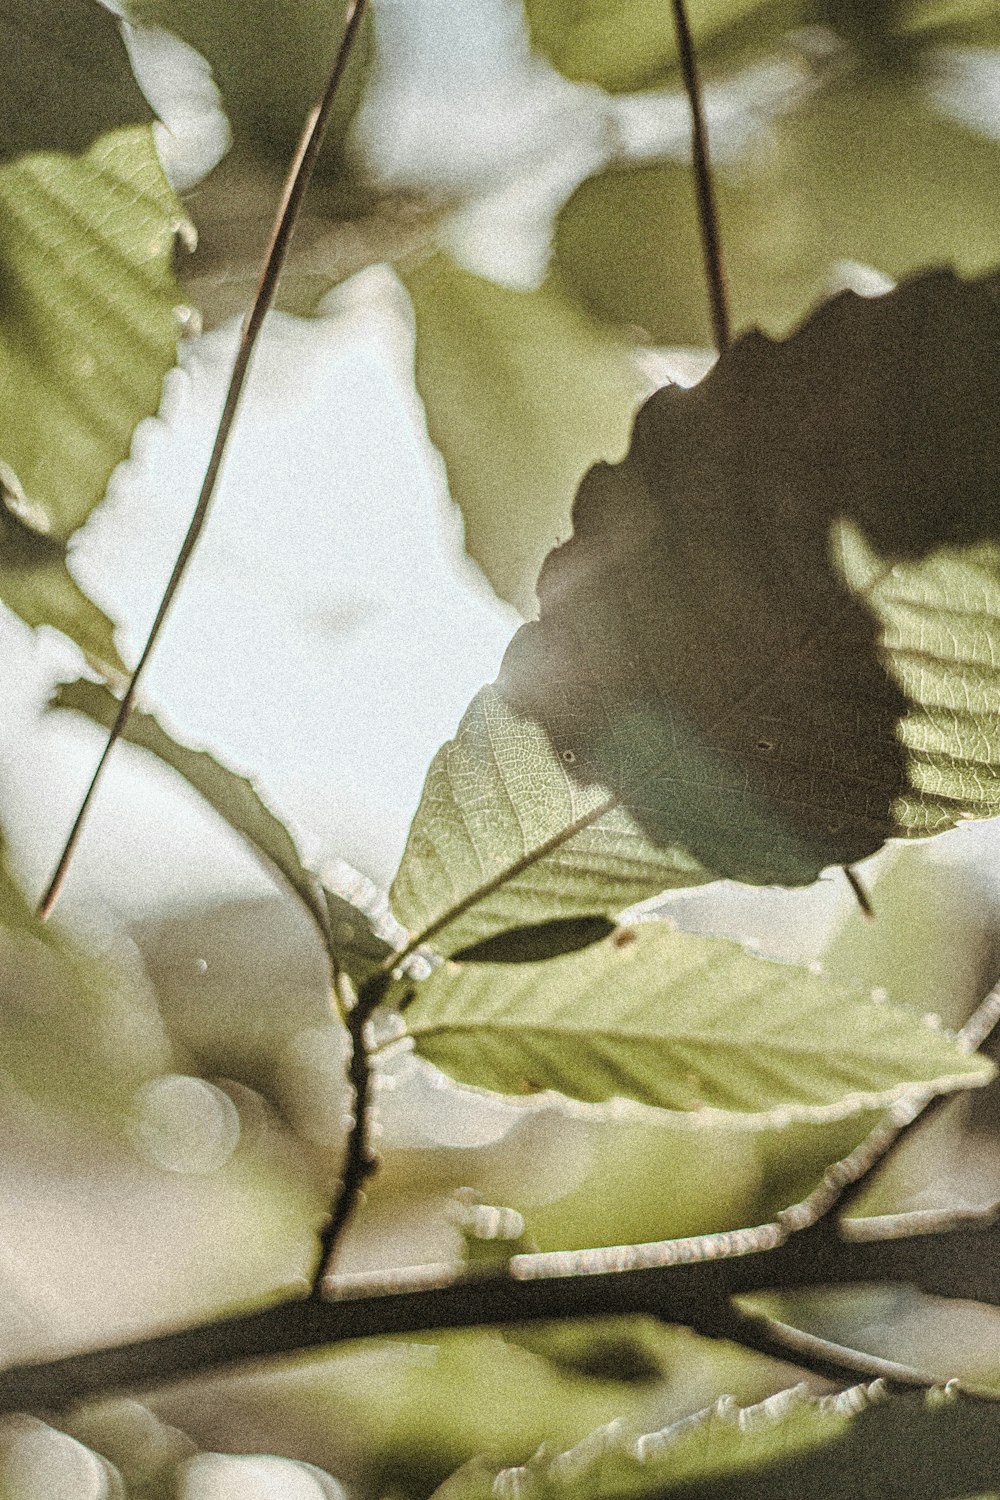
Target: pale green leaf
x,y
867,171
87,319
861,1442
680,1022
770,645
523,393
626,44
356,936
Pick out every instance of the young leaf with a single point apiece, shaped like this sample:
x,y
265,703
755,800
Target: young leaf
x,y
523,392
680,1022
926,1446
770,644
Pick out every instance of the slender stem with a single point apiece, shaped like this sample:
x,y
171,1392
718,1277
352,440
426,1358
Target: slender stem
x,y
708,218
861,893
296,184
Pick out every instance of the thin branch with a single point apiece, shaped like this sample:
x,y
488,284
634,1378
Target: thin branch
x,y
777,1340
296,184
692,1289
708,219
359,1159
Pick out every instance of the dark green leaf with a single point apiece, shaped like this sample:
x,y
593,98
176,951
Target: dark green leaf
x,y
770,645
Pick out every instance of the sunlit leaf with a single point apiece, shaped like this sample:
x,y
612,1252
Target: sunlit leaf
x,y
523,393
87,319
679,1022
770,645
859,1442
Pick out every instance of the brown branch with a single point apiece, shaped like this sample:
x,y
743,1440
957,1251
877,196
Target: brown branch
x,y
708,218
691,1289
296,184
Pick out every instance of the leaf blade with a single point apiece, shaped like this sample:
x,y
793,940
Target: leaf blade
x,y
712,665
679,1022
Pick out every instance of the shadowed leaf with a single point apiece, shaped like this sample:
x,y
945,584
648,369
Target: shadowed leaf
x,y
37,585
65,77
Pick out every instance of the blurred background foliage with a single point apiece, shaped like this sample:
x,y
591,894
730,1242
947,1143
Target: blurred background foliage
x,y
173,1088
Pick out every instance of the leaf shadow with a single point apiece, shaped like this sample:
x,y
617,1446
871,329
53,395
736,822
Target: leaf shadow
x,y
706,648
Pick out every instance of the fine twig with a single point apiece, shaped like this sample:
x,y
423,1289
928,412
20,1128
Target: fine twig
x,y
708,218
296,184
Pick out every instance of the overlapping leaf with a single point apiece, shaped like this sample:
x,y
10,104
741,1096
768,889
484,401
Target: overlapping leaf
x,y
680,1022
865,170
523,393
770,645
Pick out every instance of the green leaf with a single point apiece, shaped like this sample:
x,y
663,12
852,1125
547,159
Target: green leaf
x,y
270,65
864,171
37,585
523,393
925,1446
770,645
494,796
357,936
625,44
87,320
65,78
679,1022
79,1027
